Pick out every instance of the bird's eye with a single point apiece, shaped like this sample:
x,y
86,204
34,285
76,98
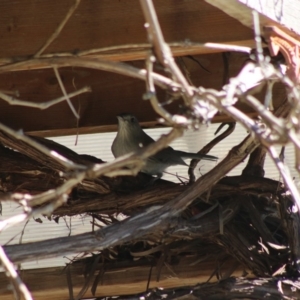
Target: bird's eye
x,y
132,120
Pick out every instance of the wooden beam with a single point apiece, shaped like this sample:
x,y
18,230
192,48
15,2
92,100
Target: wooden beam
x,y
109,23
51,283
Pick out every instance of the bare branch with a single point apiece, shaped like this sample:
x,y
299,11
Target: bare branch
x,y
17,283
274,123
139,51
151,93
259,49
147,47
44,210
59,28
104,65
44,105
162,49
13,221
65,93
209,146
54,155
284,172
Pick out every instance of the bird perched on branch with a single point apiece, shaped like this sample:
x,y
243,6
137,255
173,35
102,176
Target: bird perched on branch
x,y
131,137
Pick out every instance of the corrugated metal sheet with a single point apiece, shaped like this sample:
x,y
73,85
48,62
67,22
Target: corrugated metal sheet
x,y
99,146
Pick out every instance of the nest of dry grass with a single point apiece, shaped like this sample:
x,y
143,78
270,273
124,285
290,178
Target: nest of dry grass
x,y
244,224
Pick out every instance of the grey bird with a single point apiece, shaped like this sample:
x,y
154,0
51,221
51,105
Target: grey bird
x,y
131,137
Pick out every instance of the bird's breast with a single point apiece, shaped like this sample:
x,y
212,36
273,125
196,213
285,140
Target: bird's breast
x,y
122,146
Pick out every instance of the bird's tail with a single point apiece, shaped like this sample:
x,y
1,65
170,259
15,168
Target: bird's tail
x,y
196,156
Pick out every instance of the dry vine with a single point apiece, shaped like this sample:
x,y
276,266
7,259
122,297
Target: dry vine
x,y
79,173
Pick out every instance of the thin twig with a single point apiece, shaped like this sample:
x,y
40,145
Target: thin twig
x,y
53,154
147,47
151,93
65,92
37,200
13,275
209,146
69,281
144,47
59,28
265,114
162,49
23,231
12,221
259,49
44,210
88,278
98,64
284,172
14,101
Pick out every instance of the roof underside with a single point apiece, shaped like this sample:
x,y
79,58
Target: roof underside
x,y
100,24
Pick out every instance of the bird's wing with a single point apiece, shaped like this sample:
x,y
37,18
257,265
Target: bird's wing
x,y
166,156
145,139
196,155
169,157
